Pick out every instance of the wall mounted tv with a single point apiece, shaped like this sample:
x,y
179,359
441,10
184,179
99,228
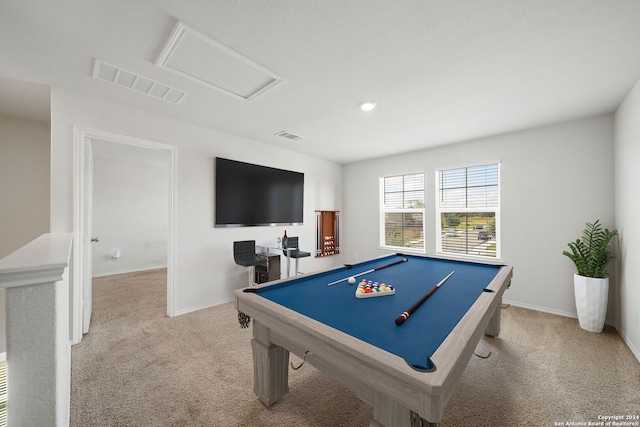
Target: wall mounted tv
x,y
248,194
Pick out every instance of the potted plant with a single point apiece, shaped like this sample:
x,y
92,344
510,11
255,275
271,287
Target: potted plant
x,y
591,256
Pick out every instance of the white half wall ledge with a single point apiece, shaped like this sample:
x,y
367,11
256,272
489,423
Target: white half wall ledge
x,y
43,260
36,278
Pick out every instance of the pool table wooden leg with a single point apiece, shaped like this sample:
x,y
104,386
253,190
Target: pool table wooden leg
x,y
388,412
493,327
270,366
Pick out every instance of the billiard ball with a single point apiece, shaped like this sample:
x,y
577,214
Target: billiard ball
x,y
352,280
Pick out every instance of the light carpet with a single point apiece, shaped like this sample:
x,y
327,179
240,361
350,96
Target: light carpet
x,y
138,367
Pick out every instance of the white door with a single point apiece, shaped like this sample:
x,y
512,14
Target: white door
x,y
87,237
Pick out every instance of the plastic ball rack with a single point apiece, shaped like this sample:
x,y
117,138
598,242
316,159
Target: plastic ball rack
x,y
370,289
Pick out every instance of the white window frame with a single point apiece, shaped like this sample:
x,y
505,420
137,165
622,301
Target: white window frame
x,y
384,210
496,210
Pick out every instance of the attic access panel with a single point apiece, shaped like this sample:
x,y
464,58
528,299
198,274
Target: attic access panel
x,y
208,62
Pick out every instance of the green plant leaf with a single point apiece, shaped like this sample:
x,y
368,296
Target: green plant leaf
x,y
592,254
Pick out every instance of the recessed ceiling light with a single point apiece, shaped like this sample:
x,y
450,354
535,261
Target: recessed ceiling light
x,y
367,106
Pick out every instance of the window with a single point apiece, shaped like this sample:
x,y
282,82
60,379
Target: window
x,y
468,211
402,211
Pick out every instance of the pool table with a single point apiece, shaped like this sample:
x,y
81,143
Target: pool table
x,y
407,372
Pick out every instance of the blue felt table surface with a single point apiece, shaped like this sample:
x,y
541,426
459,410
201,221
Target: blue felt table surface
x,y
372,319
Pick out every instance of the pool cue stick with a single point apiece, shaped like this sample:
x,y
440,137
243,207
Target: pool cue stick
x,y
370,271
404,316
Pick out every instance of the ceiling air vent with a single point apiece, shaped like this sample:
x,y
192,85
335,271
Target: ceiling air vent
x,y
121,77
290,136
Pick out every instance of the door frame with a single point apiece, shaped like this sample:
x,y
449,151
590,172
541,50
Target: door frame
x,y
82,137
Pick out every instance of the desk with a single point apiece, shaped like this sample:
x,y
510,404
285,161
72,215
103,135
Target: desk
x,y
270,274
286,251
355,340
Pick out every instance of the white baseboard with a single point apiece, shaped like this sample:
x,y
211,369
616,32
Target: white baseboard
x,y
192,309
134,270
556,312
542,309
633,348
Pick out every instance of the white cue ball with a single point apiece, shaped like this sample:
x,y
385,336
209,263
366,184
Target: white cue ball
x,y
352,280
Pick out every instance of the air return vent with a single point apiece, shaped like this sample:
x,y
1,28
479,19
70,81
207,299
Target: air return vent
x,y
121,77
290,136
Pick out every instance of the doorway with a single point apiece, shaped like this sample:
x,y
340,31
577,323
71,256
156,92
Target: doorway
x,y
116,145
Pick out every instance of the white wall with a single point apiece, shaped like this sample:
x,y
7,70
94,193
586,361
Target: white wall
x,y
205,271
553,180
627,160
24,182
24,189
130,214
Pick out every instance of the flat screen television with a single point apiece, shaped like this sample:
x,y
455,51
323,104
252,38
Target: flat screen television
x,y
250,195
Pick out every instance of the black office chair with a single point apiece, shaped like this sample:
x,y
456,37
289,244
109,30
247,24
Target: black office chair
x,y
244,254
296,253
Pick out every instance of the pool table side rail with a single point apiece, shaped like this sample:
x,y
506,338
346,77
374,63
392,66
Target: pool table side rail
x,y
357,364
452,356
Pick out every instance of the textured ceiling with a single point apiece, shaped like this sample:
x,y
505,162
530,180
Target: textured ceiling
x,y
440,71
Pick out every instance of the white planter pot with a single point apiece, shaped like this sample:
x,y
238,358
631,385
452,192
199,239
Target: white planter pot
x,y
591,301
